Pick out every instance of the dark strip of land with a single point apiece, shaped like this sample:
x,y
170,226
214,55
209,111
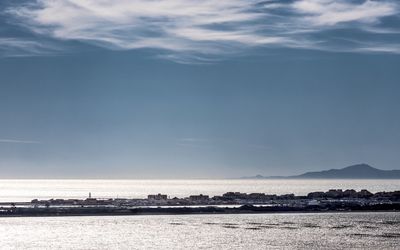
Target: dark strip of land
x,y
245,209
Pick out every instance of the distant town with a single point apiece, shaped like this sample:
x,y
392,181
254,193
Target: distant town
x,y
230,202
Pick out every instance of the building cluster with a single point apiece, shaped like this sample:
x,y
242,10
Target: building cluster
x,y
353,194
256,197
234,198
339,193
157,197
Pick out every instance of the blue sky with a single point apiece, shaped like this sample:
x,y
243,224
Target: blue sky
x,y
197,89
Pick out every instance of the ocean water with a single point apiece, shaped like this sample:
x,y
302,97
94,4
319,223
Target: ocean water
x,y
26,190
252,231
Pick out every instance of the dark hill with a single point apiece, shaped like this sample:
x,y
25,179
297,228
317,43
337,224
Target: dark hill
x,y
359,171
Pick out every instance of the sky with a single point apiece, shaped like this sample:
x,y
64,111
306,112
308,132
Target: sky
x,y
197,88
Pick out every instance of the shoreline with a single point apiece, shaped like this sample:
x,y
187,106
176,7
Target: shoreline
x,y
202,213
245,209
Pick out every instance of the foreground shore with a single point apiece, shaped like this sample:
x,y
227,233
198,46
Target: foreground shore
x,y
245,209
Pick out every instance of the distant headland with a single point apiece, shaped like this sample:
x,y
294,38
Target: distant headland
x,y
358,171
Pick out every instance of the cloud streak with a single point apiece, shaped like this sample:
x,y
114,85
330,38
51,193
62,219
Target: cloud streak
x,y
19,47
329,13
194,29
18,141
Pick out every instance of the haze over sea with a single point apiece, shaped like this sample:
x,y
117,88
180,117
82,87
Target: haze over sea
x,y
28,189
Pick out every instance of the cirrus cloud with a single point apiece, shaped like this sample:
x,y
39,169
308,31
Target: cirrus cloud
x,y
17,47
329,12
201,29
18,141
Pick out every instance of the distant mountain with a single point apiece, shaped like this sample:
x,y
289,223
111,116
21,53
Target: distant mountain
x,y
359,171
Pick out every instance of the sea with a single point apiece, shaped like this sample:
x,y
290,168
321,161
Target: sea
x,y
26,190
347,230
227,231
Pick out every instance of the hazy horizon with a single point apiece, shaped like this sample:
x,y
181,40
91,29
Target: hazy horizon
x,y
205,89
172,177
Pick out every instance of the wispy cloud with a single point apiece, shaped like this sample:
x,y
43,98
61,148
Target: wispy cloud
x,y
15,47
205,29
192,139
330,12
18,141
193,142
218,143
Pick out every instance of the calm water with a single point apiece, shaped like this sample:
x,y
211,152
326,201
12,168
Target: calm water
x,y
26,190
256,231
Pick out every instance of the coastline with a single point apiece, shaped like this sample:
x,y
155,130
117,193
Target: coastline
x,y
245,209
334,200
